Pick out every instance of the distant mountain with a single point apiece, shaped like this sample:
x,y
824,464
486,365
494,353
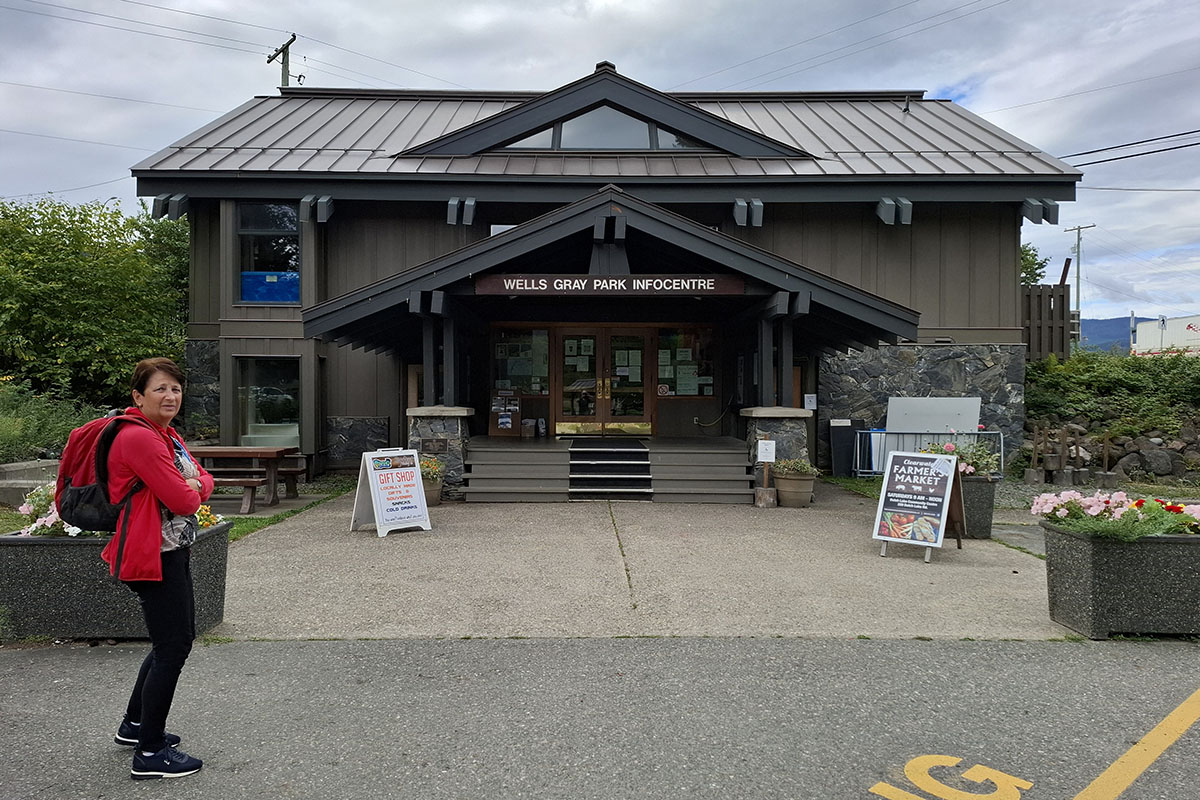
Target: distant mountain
x,y
1105,334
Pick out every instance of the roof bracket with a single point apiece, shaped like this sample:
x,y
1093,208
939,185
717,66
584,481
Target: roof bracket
x,y
177,206
456,206
1039,211
740,211
756,212
894,210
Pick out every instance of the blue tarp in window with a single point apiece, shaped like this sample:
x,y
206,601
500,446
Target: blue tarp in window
x,y
271,287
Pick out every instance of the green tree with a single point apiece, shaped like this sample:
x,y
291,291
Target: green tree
x,y
85,292
1033,267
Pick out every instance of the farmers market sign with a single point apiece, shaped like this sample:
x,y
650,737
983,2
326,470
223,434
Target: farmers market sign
x,y
915,499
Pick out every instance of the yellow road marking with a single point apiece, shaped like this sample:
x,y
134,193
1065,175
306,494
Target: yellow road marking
x,y
1125,770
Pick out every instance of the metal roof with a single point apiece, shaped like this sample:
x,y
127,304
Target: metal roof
x,y
357,133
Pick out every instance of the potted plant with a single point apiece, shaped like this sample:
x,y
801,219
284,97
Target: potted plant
x,y
1116,564
53,583
794,478
433,472
978,474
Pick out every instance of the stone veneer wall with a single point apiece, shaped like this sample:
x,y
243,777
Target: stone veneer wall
x,y
857,385
202,399
449,424
788,427
349,437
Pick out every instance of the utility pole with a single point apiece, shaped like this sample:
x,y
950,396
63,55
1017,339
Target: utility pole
x,y
282,55
1078,264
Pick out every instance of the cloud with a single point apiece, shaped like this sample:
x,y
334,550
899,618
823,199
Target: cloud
x,y
994,56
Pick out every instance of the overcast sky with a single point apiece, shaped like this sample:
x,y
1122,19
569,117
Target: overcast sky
x,y
1066,75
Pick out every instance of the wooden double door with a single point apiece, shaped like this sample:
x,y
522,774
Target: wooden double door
x,y
605,378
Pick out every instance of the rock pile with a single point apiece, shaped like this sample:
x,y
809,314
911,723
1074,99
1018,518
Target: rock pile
x,y
1153,453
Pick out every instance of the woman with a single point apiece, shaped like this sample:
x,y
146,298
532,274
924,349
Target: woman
x,y
155,563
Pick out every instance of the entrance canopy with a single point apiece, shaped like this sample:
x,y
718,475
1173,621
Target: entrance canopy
x,y
631,260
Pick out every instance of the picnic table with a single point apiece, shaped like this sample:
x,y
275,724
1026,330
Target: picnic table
x,y
226,460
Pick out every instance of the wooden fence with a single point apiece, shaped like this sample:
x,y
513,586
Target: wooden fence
x,y
1046,315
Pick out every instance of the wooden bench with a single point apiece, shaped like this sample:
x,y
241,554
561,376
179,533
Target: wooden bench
x,y
287,474
249,490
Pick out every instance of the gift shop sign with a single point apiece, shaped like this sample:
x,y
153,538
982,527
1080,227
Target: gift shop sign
x,y
609,285
915,499
390,492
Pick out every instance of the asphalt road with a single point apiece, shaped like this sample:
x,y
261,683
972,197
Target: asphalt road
x,y
609,718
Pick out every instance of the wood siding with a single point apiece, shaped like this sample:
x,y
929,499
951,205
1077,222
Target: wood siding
x,y
958,263
367,242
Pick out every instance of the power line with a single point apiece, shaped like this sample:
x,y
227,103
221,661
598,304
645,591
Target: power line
x,y
862,41
205,16
1131,144
131,30
64,191
109,97
1126,293
265,48
1135,155
302,36
139,22
1090,91
381,61
797,44
81,141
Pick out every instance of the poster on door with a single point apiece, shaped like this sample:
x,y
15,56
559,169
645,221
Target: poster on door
x,y
390,492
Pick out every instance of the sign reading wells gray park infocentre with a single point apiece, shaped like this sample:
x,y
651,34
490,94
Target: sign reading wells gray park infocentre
x,y
610,285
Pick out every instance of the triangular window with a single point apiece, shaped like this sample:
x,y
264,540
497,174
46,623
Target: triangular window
x,y
606,128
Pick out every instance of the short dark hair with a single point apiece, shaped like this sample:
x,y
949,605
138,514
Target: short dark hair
x,y
146,368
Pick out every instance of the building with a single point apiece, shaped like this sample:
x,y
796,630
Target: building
x,y
615,260
1166,336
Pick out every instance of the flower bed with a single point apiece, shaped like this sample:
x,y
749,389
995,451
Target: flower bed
x,y
58,586
1120,565
53,582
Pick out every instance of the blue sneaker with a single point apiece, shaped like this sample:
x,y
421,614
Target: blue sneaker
x,y
166,763
127,735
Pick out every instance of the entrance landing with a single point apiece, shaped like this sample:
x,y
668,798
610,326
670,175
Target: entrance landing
x,y
559,470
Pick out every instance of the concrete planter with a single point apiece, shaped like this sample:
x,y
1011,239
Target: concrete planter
x,y
979,503
794,491
1102,586
433,493
58,586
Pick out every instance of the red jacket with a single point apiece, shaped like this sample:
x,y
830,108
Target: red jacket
x,y
141,454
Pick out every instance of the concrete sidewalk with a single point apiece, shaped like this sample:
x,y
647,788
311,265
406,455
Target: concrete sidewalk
x,y
625,569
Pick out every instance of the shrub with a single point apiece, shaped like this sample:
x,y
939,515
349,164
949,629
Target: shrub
x,y
35,426
1133,395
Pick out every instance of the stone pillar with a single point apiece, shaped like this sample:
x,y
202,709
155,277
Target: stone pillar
x,y
202,398
429,427
788,427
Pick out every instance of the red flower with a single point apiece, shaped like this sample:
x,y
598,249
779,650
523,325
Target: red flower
x,y
1141,501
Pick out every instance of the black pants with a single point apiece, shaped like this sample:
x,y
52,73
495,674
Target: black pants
x,y
170,611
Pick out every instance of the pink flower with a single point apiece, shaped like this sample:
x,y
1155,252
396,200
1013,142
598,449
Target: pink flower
x,y
949,447
1062,512
981,426
25,508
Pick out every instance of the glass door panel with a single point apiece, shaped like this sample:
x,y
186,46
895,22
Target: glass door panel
x,y
603,375
579,367
627,381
